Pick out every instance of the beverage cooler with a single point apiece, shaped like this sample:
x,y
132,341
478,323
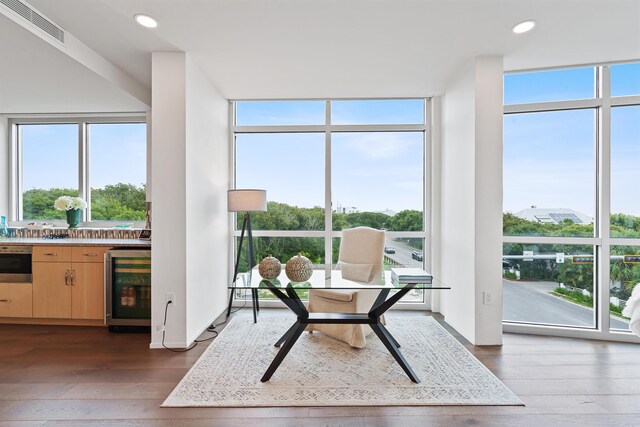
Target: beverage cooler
x,y
128,287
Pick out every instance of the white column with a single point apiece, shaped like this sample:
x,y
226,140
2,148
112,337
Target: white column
x,y
190,177
471,201
168,179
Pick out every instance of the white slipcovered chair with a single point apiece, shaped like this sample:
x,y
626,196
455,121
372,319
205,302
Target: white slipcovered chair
x,y
632,310
360,259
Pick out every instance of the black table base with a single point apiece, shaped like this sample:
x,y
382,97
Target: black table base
x,y
254,302
372,318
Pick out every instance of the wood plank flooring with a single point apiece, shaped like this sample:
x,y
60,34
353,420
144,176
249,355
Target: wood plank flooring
x,y
86,376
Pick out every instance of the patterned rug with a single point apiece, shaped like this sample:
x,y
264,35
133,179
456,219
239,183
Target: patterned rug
x,y
321,371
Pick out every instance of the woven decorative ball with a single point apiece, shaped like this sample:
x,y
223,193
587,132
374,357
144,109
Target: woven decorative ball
x,y
269,267
299,268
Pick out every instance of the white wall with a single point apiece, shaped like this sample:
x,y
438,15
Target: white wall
x,y
471,200
190,177
207,217
168,177
488,197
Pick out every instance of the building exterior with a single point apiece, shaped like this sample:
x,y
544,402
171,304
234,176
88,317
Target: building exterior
x,y
553,215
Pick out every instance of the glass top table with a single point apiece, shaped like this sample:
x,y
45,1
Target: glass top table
x,y
343,278
339,277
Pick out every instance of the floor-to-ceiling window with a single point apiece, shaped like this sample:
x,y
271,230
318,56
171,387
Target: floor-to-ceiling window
x,y
328,165
571,207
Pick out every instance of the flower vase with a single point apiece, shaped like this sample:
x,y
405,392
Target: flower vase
x,y
73,217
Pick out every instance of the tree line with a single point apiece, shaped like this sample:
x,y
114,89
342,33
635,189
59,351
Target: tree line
x,y
120,201
281,216
127,202
576,275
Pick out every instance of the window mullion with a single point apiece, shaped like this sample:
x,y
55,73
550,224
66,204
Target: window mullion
x,y
83,166
604,198
328,211
15,189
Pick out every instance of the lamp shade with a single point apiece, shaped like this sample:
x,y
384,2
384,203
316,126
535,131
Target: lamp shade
x,y
248,200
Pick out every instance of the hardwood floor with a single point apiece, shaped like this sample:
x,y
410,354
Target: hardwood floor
x,y
64,375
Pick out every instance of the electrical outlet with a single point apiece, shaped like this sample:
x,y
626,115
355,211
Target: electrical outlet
x,y
159,328
170,296
487,298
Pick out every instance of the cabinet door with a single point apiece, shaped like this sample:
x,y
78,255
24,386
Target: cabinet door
x,y
87,290
16,300
51,290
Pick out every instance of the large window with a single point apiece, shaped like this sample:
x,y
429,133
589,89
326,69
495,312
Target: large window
x,y
571,207
103,161
331,165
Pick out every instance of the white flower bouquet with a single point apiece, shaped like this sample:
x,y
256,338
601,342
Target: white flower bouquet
x,y
66,203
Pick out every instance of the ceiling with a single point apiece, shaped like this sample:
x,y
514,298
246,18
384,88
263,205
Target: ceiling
x,y
273,49
36,78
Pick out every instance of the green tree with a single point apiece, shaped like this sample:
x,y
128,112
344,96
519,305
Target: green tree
x,y
576,275
625,225
37,203
113,202
118,202
407,220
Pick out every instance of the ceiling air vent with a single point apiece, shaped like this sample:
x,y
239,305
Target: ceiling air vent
x,y
35,18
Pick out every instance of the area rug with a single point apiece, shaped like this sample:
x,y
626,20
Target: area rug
x,y
321,371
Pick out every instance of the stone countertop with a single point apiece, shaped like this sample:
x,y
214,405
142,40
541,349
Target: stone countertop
x,y
39,241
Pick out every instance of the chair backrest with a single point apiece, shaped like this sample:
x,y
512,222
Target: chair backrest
x,y
362,245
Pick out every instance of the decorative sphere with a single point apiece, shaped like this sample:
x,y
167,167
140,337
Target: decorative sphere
x,y
269,267
299,268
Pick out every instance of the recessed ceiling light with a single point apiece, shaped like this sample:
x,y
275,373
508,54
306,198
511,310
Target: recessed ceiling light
x,y
523,27
146,20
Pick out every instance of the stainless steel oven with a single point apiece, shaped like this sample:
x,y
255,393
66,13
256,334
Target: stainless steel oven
x,y
15,264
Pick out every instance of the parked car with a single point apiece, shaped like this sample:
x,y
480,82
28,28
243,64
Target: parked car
x,y
388,250
417,255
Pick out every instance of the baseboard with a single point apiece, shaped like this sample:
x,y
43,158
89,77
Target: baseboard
x,y
183,345
176,345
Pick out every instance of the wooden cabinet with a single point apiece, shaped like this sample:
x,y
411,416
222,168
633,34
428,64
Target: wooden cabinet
x,y
51,290
16,300
87,292
51,253
68,282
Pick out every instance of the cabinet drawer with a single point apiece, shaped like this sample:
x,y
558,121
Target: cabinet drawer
x,y
51,253
88,253
16,300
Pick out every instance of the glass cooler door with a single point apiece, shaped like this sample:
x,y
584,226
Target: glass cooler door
x,y
130,275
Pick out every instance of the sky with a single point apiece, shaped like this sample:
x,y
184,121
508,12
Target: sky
x,y
549,157
372,171
50,153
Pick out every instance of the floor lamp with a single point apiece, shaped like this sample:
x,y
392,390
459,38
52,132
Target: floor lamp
x,y
246,201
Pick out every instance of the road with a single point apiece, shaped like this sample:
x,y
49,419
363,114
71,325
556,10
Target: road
x,y
524,301
403,254
530,302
